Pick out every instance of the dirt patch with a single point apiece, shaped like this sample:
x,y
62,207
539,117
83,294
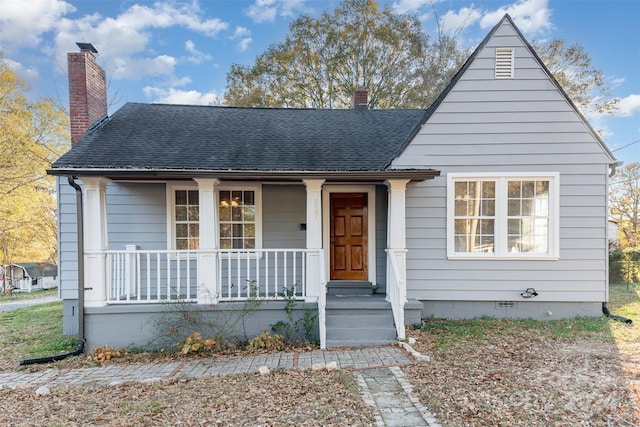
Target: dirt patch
x,y
524,378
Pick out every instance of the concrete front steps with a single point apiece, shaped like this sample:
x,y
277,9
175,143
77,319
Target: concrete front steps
x,y
359,321
356,317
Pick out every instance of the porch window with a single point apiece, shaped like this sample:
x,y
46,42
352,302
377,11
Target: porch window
x,y
239,217
187,219
513,216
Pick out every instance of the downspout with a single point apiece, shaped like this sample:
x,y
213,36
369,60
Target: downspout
x,y
80,230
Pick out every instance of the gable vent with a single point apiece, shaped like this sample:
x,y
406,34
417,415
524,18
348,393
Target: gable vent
x,y
504,63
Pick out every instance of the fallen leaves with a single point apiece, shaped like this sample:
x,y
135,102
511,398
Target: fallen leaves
x,y
286,398
521,376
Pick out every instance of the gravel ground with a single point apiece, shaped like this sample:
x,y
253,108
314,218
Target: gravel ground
x,y
12,305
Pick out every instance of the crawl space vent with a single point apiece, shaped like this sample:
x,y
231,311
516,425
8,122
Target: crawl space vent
x,y
504,63
501,305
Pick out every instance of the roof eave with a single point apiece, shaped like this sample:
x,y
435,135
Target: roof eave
x,y
158,174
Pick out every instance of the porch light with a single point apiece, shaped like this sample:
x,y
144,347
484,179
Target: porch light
x,y
529,293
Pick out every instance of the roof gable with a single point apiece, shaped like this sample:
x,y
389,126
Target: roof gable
x,y
485,100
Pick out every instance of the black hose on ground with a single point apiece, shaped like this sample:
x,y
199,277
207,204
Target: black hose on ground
x,y
55,358
607,313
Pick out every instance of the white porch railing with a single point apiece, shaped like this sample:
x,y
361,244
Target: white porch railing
x,y
136,276
25,285
396,289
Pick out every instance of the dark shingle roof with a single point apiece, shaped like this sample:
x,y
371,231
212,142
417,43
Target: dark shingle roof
x,y
179,137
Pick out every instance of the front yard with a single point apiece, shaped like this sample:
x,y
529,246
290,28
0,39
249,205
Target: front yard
x,y
501,372
482,372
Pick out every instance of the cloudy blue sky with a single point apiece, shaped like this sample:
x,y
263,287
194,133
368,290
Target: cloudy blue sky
x,y
176,51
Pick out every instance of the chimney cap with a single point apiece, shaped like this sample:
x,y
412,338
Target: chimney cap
x,y
86,47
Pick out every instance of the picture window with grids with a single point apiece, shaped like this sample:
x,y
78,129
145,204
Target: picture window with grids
x,y
511,216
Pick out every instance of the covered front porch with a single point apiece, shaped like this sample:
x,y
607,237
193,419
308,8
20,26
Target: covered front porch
x,y
211,274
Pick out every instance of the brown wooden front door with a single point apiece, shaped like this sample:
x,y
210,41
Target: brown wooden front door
x,y
348,228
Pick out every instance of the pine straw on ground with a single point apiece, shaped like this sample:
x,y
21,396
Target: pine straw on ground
x,y
525,377
286,398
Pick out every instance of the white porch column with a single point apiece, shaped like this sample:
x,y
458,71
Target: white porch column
x,y
95,241
314,238
396,226
208,229
397,248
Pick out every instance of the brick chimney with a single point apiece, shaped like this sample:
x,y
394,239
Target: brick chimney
x,y
360,98
87,90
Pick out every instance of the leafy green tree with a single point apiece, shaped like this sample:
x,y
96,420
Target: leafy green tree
x,y
322,61
625,205
32,135
571,66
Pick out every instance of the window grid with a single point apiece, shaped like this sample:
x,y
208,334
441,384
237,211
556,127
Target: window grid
x,y
528,216
511,216
474,216
237,215
187,217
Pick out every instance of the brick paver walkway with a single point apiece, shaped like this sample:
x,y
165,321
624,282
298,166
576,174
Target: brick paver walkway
x,y
376,368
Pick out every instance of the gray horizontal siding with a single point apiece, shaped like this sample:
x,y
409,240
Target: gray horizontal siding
x,y
381,238
137,214
499,126
284,208
67,240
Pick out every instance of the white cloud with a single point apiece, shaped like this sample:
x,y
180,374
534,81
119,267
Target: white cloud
x,y
182,97
531,16
136,68
262,11
294,7
453,22
268,10
244,44
409,6
628,106
196,57
28,74
123,41
616,82
22,25
241,32
169,14
244,36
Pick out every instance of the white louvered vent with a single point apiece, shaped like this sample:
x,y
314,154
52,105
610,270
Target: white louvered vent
x,y
504,63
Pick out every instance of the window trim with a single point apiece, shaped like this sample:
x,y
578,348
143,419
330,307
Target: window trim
x,y
500,226
257,189
190,185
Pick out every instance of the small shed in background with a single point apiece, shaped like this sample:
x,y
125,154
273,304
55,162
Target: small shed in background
x,y
29,276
